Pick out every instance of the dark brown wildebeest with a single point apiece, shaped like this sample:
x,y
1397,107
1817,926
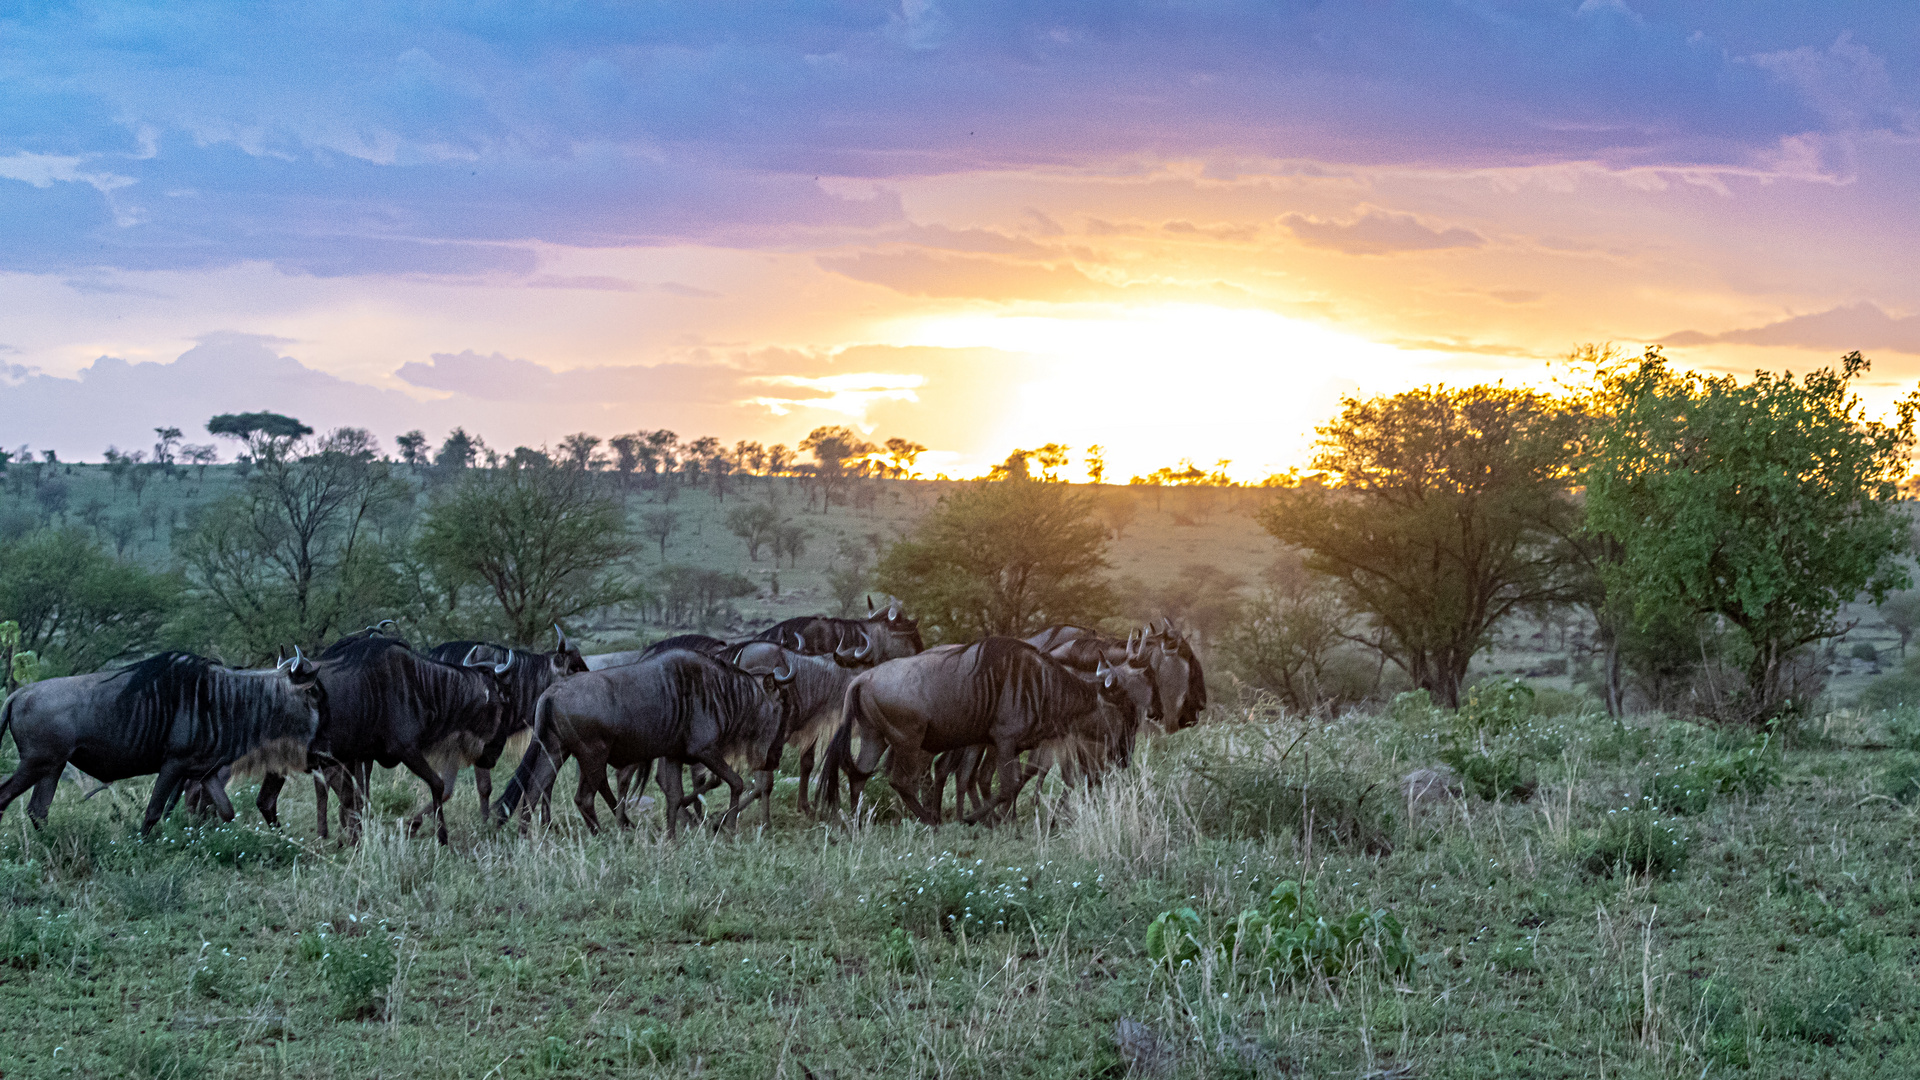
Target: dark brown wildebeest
x,y
679,708
1082,755
527,675
1181,684
885,634
999,692
184,717
389,705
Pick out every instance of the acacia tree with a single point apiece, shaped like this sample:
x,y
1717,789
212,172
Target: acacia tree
x,y
837,452
77,607
542,539
294,556
1769,504
1001,557
1438,512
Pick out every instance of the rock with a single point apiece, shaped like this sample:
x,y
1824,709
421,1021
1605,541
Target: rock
x,y
1437,784
1142,1049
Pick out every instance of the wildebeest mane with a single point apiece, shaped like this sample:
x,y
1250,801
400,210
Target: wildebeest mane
x,y
1040,687
525,679
177,687
700,643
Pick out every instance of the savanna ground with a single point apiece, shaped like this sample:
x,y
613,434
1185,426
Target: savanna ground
x,y
1770,929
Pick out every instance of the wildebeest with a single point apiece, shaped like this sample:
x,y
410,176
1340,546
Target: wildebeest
x,y
885,634
999,692
679,708
700,643
1182,685
527,675
389,705
182,716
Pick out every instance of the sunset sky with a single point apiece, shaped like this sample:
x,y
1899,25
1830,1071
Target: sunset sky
x,y
1177,229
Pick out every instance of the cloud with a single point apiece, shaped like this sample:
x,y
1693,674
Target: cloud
x,y
449,140
936,396
918,273
1851,326
1377,232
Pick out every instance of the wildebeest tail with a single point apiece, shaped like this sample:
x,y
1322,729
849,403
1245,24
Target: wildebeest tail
x,y
838,750
6,716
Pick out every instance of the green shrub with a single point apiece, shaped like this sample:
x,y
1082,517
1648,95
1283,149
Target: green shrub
x,y
1493,707
1691,788
30,939
1864,650
1638,837
357,968
241,846
1246,798
1288,938
1492,775
1902,780
1895,690
959,895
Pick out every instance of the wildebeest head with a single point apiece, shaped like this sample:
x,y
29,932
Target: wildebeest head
x,y
565,659
1131,687
898,635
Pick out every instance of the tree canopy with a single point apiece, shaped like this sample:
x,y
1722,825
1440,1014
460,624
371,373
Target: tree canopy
x,y
1002,557
542,539
1769,504
78,607
1438,512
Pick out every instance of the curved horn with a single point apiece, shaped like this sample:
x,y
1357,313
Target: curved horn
x,y
561,636
1166,628
867,645
504,666
472,658
869,603
893,611
785,672
284,664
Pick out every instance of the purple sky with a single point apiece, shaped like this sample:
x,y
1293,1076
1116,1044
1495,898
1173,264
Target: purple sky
x,y
929,218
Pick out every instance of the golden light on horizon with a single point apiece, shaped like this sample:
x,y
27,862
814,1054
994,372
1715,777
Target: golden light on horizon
x,y
1157,384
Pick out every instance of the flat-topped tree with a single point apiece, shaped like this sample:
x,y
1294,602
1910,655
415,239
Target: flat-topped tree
x,y
267,434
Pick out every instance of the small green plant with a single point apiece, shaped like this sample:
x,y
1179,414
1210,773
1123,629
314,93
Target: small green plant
x,y
1493,708
214,975
960,895
1491,774
241,846
1640,838
1901,781
31,939
357,968
896,950
1691,788
1288,938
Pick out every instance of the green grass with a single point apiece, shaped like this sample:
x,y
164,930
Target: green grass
x,y
1782,944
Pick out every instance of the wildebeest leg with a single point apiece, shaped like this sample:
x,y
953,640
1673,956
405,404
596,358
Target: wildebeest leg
x,y
805,765
1012,778
320,804
483,786
268,801
214,789
418,764
166,789
42,800
452,782
736,787
859,769
907,772
593,780
669,778
27,776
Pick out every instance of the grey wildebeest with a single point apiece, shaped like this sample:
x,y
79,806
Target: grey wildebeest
x,y
885,634
526,676
389,705
999,692
679,708
184,717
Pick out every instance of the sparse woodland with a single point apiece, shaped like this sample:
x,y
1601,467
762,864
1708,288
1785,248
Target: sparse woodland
x,y
1550,735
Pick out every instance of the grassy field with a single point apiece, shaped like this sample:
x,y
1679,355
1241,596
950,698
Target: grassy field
x,y
1777,937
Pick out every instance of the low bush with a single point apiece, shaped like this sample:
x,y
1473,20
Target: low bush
x,y
1691,788
357,968
1901,781
1247,798
1492,774
31,939
954,894
1288,938
1640,838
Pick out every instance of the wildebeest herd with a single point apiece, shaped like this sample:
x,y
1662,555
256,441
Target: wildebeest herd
x,y
859,694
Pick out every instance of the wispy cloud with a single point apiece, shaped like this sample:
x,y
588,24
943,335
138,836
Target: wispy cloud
x,y
1850,326
1378,232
